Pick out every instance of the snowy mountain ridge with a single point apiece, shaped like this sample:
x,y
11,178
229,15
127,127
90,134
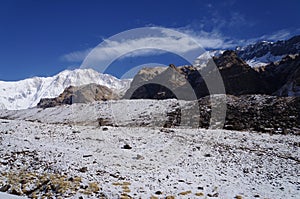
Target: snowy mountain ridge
x,y
203,59
257,54
264,52
28,92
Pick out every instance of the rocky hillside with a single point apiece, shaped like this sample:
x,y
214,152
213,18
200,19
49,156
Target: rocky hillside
x,y
284,76
261,113
81,94
280,78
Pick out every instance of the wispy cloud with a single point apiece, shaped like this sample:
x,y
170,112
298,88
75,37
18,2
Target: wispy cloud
x,y
170,40
209,40
278,35
282,34
76,56
151,45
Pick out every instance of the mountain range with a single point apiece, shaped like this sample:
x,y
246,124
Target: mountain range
x,y
258,54
264,52
270,68
280,78
28,92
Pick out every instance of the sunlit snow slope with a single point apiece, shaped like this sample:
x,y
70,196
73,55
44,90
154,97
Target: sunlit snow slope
x,y
27,93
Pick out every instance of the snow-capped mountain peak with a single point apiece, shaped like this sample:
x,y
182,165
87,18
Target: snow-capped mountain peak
x,y
265,52
203,59
28,92
258,54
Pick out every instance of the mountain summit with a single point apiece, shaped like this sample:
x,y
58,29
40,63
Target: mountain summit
x,y
28,92
264,52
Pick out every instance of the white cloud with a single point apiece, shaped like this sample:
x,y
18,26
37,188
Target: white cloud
x,y
76,56
150,45
209,40
167,40
278,35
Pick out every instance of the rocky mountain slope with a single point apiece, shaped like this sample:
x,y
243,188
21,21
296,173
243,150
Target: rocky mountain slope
x,y
239,78
81,94
284,76
261,113
27,93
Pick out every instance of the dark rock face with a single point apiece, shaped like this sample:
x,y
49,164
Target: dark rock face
x,y
284,76
81,94
187,82
162,83
260,113
264,114
153,91
238,77
279,78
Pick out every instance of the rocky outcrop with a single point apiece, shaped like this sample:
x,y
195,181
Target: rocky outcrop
x,y
284,76
81,94
171,82
238,77
187,82
263,114
259,113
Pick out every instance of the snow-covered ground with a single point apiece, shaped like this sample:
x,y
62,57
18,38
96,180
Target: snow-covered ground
x,y
120,112
82,159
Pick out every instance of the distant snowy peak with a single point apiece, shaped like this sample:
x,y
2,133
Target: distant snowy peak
x,y
27,93
264,60
264,52
257,54
203,59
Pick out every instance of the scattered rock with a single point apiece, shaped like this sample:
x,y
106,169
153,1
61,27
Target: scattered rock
x,y
86,156
83,169
158,192
166,130
5,188
127,146
105,122
139,157
199,194
185,193
170,197
15,192
215,195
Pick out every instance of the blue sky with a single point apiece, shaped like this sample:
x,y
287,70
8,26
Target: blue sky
x,y
42,38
